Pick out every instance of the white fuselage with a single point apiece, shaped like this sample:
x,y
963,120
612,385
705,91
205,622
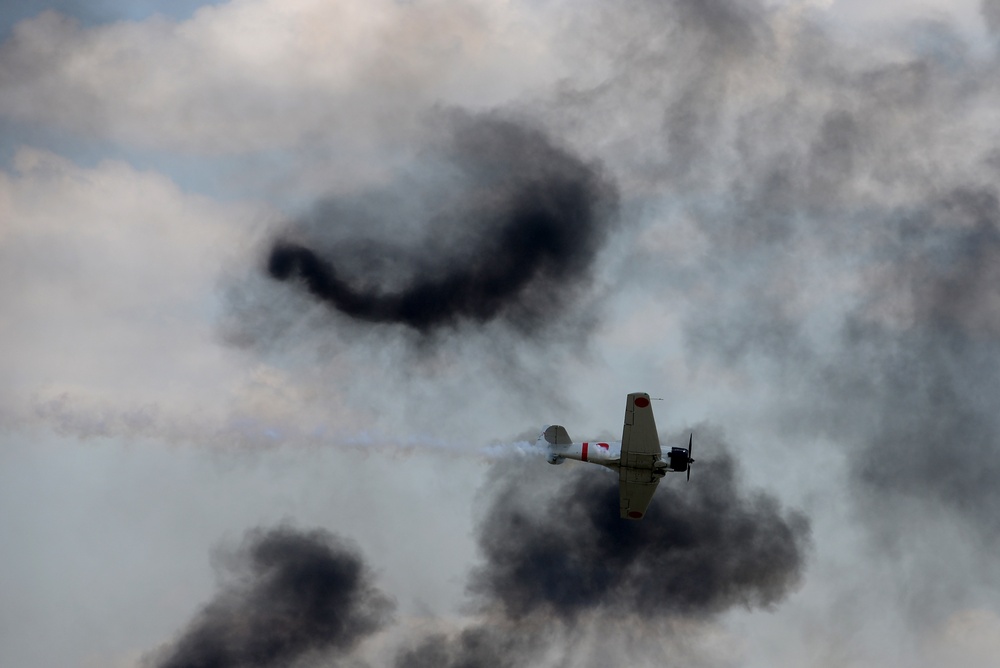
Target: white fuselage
x,y
605,453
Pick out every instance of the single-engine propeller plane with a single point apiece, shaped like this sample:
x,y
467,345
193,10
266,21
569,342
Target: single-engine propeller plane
x,y
638,458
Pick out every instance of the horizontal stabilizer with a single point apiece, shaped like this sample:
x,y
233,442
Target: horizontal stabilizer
x,y
556,435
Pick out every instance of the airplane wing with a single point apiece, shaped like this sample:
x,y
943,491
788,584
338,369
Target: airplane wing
x,y
635,491
640,444
640,451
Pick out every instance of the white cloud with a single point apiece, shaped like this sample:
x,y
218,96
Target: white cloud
x,y
108,277
254,75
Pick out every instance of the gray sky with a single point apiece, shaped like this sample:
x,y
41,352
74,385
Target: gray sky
x,y
782,218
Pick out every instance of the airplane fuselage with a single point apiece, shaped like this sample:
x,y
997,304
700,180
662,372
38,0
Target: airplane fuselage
x,y
606,453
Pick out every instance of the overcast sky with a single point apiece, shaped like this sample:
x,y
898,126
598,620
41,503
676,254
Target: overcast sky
x,y
285,286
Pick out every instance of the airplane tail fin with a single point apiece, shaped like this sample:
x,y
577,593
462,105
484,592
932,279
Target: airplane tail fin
x,y
552,438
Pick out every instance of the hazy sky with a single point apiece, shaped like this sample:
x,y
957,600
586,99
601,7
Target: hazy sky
x,y
286,284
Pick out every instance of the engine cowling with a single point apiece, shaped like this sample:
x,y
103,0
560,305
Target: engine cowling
x,y
679,459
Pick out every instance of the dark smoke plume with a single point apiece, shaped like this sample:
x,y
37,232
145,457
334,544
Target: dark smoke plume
x,y
555,552
293,593
526,221
702,547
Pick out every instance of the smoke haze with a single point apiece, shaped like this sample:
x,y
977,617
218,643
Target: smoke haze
x,y
225,230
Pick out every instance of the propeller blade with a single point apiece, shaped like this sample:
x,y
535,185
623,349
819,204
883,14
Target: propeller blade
x,y
690,452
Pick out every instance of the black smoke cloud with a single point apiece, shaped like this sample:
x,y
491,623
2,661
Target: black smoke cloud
x,y
524,223
702,548
293,593
557,556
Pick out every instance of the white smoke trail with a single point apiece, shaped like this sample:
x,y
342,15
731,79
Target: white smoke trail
x,y
83,418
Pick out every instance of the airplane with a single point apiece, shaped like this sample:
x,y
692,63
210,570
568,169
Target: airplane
x,y
638,458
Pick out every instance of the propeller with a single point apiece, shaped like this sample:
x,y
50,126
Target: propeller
x,y
690,452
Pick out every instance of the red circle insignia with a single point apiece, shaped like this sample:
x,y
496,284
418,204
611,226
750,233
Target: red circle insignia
x,y
641,402
634,514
